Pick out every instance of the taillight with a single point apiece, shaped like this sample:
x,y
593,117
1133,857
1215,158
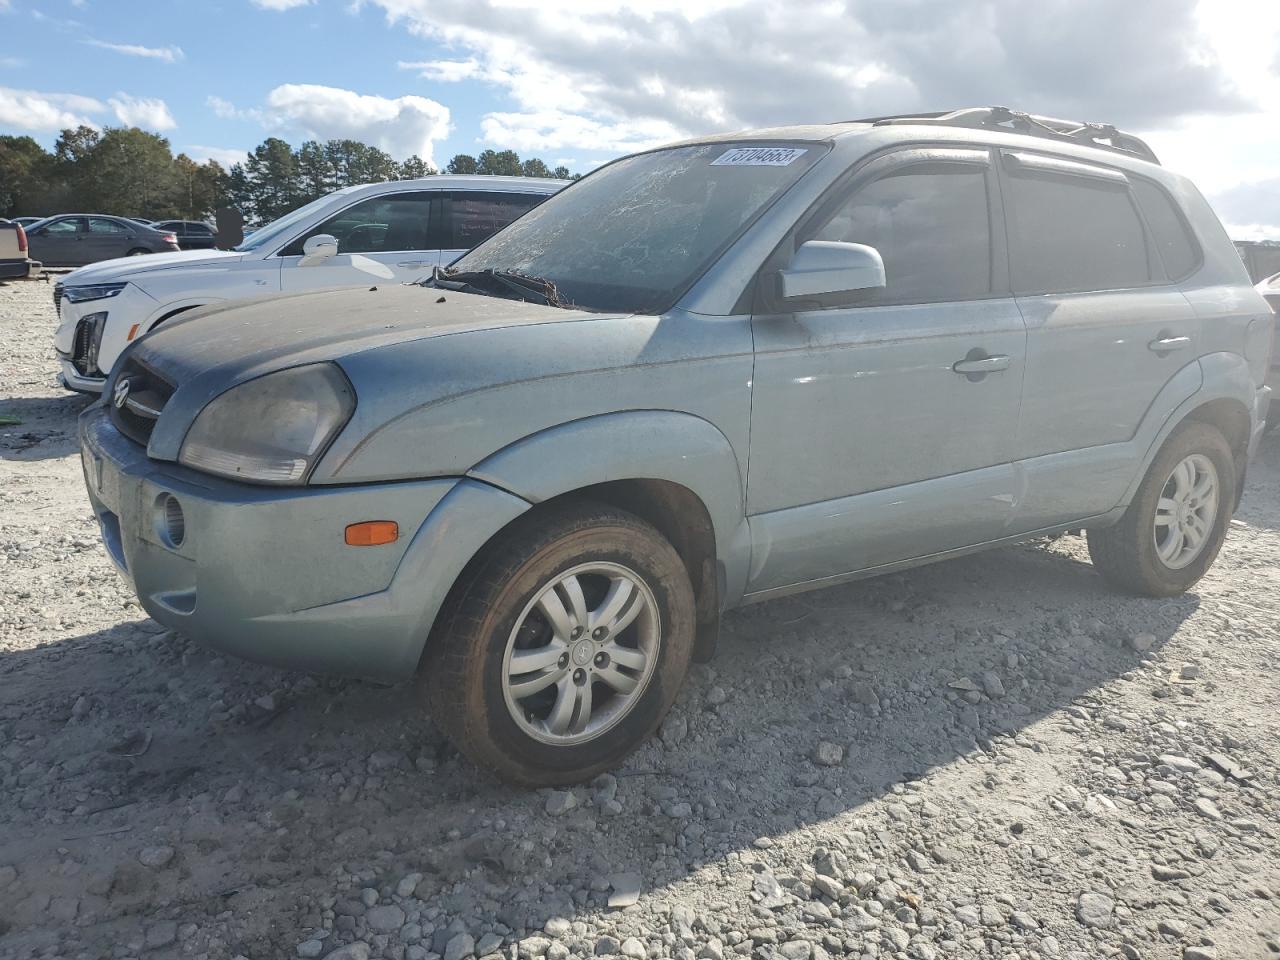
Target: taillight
x,y
22,238
169,237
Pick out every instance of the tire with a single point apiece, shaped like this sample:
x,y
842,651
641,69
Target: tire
x,y
137,252
1127,554
497,612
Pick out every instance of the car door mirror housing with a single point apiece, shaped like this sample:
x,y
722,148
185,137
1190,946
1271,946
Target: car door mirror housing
x,y
319,248
822,267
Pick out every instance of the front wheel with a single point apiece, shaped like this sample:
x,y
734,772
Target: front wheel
x,y
1172,531
564,646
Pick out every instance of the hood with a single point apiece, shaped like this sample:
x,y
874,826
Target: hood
x,y
207,351
127,268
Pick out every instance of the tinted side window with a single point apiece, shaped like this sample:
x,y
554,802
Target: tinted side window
x,y
932,230
386,224
474,217
1172,237
1074,233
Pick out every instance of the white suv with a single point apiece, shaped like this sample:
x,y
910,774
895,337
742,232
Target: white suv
x,y
375,233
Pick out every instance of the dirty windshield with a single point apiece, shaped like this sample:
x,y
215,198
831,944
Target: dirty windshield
x,y
635,235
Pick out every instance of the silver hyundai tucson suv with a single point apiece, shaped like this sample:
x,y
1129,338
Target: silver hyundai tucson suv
x,y
703,376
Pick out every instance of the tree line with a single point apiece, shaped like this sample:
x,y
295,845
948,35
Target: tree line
x,y
133,173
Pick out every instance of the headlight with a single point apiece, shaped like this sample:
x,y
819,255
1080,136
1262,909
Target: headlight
x,y
273,429
95,291
96,323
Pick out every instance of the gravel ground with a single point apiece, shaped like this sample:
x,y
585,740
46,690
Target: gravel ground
x,y
992,757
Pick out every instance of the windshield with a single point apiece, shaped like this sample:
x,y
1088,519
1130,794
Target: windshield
x,y
274,229
635,235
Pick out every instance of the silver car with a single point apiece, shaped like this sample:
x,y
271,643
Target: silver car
x,y
75,239
703,376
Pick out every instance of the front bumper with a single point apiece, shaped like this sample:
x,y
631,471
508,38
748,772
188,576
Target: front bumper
x,y
1262,400
73,379
264,573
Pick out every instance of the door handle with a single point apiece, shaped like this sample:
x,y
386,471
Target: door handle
x,y
981,365
1166,343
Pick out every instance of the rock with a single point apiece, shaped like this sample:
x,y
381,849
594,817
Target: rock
x,y
1181,764
161,934
1023,921
828,754
626,889
1206,808
408,883
155,857
385,919
607,946
557,927
992,685
969,915
488,944
266,703
1199,953
1189,671
560,802
1161,872
1172,928
384,760
1142,642
632,949
1049,946
678,811
533,948
352,951
310,948
827,887
80,709
1094,909
674,729
717,696
460,946
962,683
369,896
796,950
864,694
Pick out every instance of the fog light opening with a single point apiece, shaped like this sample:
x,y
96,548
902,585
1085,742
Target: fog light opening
x,y
171,524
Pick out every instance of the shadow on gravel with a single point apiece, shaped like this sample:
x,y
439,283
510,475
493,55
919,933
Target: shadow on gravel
x,y
268,782
46,427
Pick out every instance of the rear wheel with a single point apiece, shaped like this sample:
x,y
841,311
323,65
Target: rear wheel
x,y
564,647
138,252
1172,531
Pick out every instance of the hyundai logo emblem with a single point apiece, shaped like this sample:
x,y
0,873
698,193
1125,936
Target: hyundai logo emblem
x,y
120,394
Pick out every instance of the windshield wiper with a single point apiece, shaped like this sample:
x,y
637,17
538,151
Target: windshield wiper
x,y
498,283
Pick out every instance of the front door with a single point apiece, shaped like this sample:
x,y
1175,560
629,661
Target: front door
x,y
58,243
383,239
883,421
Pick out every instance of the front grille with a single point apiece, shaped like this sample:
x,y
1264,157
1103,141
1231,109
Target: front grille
x,y
57,298
83,346
135,411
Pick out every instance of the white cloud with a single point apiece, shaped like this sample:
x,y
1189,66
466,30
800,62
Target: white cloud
x,y
148,113
223,108
402,126
280,4
445,71
224,155
554,130
34,110
167,54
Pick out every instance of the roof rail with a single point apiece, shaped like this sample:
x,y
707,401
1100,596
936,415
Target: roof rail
x,y
1104,136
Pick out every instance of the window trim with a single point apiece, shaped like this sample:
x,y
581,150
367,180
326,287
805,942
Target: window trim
x,y
867,171
1050,167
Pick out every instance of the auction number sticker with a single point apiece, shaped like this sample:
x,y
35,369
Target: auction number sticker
x,y
758,156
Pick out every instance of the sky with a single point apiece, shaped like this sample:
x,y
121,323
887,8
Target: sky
x,y
577,83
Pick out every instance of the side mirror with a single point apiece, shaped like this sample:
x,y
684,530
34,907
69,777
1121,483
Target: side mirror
x,y
318,249
828,266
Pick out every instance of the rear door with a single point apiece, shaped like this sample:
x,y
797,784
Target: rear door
x,y
471,216
385,238
1106,330
106,239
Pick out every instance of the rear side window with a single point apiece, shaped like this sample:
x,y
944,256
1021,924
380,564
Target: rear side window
x,y
1172,236
474,217
1070,233
932,230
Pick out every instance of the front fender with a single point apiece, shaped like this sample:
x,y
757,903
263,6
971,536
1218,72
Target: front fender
x,y
635,445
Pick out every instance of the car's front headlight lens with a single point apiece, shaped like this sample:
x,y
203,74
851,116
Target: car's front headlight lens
x,y
273,429
95,291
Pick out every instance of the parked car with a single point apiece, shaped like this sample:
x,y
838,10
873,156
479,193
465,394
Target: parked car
x,y
25,221
14,262
191,234
1270,289
529,476
375,233
74,239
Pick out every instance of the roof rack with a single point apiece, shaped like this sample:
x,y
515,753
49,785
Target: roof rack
x,y
1104,136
